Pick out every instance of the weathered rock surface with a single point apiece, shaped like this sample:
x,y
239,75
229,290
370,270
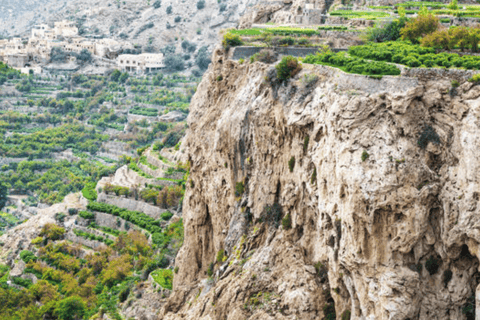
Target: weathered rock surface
x,y
379,177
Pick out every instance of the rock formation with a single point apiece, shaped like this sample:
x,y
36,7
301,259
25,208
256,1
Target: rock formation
x,y
329,192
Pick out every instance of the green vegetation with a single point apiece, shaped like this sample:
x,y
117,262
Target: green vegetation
x,y
27,256
40,144
239,189
89,191
75,288
149,112
164,277
160,238
287,68
231,40
413,55
365,155
352,64
87,215
52,181
367,15
91,236
3,194
167,215
291,164
7,220
287,222
221,256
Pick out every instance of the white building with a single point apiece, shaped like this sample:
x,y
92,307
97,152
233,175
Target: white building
x,y
66,29
145,62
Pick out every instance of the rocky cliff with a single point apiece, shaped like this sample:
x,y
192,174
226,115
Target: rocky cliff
x,y
331,196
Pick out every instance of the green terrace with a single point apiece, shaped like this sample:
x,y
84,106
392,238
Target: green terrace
x,y
410,7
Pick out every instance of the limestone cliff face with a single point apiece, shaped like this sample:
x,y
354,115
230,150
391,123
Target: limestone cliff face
x,y
379,177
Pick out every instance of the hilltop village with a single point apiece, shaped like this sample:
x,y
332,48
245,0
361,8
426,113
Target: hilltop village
x,y
63,40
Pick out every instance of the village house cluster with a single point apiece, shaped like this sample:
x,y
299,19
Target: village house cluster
x,y
35,50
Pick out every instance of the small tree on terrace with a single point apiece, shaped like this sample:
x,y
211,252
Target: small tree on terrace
x,y
420,27
453,5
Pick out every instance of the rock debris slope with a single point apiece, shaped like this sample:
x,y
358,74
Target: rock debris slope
x,y
380,179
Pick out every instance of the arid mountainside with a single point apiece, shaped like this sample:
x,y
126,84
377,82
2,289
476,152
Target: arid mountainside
x,y
137,20
330,193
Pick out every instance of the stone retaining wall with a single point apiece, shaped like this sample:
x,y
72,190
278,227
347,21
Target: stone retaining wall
x,y
132,205
85,242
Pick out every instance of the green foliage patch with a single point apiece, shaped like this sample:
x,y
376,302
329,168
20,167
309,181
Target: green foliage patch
x,y
164,277
352,64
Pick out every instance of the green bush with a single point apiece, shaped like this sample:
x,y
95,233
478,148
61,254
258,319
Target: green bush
x,y
87,215
210,269
71,308
239,189
167,215
26,283
291,164
27,256
352,64
164,277
231,40
287,222
221,256
365,155
475,78
389,31
89,191
288,68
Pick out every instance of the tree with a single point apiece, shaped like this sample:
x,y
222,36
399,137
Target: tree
x,y
200,4
57,54
3,194
157,4
174,63
453,5
84,56
203,59
420,27
71,308
115,76
169,9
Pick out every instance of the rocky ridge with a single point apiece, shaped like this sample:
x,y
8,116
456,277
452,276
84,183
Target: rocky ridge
x,y
139,21
379,179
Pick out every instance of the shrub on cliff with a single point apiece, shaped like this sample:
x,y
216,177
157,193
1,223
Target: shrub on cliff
x,y
231,40
288,68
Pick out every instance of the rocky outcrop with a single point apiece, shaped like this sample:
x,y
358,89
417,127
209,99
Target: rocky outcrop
x,y
340,192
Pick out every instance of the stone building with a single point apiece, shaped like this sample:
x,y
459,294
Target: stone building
x,y
16,60
145,62
65,29
312,13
